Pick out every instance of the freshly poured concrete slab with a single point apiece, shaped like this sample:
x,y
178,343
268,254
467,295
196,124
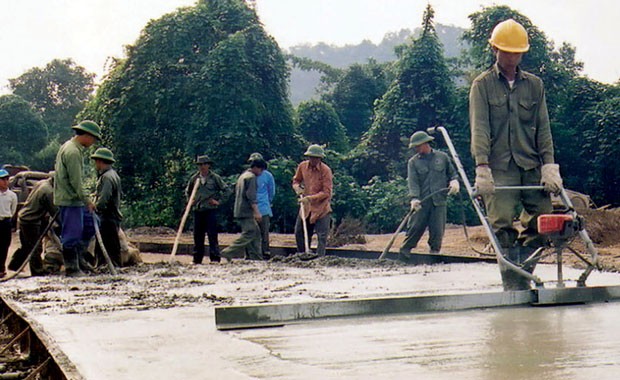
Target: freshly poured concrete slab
x,y
158,323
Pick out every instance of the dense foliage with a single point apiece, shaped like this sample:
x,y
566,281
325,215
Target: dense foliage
x,y
22,131
202,80
57,91
421,96
319,124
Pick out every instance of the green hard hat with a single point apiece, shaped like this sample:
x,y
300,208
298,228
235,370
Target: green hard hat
x,y
204,160
89,127
419,138
315,150
103,154
255,156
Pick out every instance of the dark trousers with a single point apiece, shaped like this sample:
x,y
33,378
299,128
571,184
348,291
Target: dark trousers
x,y
264,233
5,241
431,216
109,234
205,221
28,236
322,229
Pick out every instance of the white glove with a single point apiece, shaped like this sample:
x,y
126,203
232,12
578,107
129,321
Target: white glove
x,y
415,204
298,189
454,187
550,178
484,180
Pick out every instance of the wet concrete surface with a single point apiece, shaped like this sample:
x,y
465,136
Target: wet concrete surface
x,y
155,322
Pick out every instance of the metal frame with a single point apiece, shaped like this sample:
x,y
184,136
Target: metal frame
x,y
277,315
505,263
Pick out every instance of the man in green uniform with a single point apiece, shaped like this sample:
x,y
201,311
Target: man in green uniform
x,y
31,219
247,215
107,206
69,195
428,172
210,191
511,142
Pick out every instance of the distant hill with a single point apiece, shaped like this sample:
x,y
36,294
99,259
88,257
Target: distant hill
x,y
303,83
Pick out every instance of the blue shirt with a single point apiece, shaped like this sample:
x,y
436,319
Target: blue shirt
x,y
265,191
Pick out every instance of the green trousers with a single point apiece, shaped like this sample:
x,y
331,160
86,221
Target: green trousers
x,y
431,216
248,244
503,206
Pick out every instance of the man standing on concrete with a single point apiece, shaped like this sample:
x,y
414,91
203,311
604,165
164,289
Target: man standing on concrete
x,y
428,172
265,192
69,195
313,182
206,203
511,142
8,206
247,215
31,219
108,206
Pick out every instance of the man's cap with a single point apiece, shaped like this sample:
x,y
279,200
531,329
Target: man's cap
x,y
89,127
204,160
104,154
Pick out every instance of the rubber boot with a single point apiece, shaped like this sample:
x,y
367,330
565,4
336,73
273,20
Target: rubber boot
x,y
403,255
510,279
71,259
36,266
17,259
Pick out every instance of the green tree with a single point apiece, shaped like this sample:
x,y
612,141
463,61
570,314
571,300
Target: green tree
x,y
421,96
354,95
57,91
22,131
606,115
203,79
319,124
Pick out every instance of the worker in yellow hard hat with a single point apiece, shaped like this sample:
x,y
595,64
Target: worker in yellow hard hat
x,y
512,145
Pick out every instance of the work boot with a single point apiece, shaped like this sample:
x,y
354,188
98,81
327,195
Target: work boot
x,y
510,279
214,257
403,255
36,266
71,259
17,259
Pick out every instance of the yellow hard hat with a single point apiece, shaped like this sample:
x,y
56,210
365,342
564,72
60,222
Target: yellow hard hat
x,y
510,36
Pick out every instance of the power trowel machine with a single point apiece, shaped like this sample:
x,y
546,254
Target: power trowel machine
x,y
559,229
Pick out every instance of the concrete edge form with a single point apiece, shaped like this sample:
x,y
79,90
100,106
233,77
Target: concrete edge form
x,y
59,359
265,315
415,258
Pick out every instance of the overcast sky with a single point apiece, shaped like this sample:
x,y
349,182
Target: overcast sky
x,y
33,32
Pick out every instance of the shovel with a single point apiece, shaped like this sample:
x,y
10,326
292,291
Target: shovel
x,y
302,211
188,208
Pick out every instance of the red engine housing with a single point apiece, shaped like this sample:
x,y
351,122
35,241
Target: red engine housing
x,y
554,224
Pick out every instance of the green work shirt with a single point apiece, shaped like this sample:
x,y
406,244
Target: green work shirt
x,y
509,123
427,173
40,202
68,182
211,187
108,195
245,195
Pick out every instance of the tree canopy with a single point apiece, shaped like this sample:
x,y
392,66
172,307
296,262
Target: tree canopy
x,y
421,96
22,131
319,124
205,79
57,92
